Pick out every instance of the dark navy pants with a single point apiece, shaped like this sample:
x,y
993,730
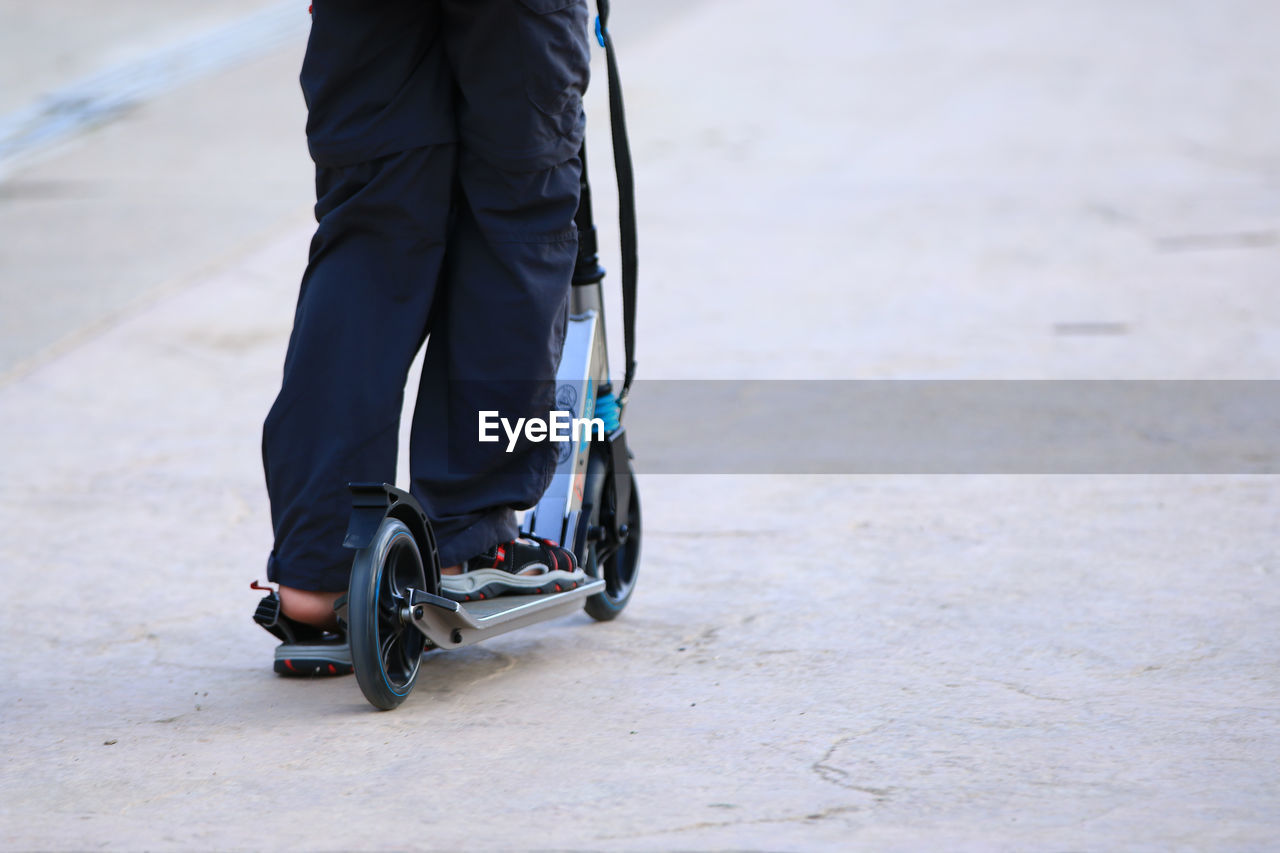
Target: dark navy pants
x,y
445,135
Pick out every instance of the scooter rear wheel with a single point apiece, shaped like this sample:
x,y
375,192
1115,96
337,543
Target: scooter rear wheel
x,y
386,649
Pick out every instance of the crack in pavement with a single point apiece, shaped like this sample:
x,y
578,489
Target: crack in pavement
x,y
809,817
830,773
1016,688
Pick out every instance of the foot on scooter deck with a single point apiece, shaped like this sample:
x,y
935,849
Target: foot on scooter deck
x,y
451,624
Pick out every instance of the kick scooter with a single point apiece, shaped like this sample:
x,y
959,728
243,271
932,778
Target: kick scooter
x,y
394,611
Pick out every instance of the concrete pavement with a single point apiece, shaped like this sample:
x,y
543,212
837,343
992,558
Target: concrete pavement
x,y
872,190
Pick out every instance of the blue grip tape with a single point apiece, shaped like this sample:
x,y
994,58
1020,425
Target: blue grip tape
x,y
607,410
599,31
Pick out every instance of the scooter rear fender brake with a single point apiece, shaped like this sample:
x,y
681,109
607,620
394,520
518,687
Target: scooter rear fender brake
x,y
373,502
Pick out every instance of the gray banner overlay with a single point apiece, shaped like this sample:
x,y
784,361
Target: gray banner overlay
x,y
955,427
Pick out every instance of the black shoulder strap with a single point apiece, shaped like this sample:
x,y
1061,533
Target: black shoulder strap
x,y
626,198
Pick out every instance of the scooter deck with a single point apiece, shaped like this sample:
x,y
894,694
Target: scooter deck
x,y
450,624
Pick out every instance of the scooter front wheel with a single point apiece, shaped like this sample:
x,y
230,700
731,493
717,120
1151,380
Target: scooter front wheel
x,y
614,558
386,649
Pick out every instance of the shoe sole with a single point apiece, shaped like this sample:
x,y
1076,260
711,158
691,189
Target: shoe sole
x,y
480,584
315,660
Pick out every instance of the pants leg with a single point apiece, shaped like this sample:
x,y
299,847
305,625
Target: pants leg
x,y
361,316
495,347
521,67
378,90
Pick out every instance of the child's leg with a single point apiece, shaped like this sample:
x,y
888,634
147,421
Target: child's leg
x,y
380,126
310,608
521,73
361,316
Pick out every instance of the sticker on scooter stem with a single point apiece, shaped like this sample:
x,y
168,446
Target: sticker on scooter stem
x,y
566,397
566,400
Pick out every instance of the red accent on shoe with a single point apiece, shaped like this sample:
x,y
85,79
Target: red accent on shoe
x,y
558,588
256,585
480,596
289,664
333,670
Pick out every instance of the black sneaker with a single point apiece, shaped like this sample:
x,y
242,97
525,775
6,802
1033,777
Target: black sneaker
x,y
522,567
305,651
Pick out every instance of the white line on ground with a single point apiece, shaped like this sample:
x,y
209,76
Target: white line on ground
x,y
108,94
